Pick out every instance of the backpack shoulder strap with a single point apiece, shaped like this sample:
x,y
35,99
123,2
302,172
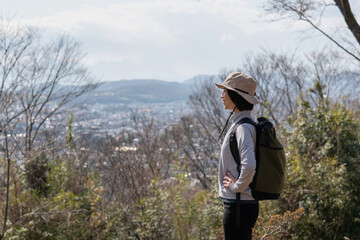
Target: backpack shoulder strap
x,y
236,155
234,149
247,120
233,142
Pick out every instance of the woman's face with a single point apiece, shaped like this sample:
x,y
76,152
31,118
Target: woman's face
x,y
228,104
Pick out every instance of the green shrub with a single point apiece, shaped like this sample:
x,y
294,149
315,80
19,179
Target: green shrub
x,y
324,173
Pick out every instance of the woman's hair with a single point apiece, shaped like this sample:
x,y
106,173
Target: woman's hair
x,y
239,101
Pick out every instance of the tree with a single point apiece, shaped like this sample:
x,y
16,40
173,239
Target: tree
x,y
285,78
323,152
351,22
196,135
37,78
311,11
281,78
135,158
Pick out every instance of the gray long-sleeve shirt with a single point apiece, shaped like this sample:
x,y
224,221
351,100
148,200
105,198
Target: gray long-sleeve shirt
x,y
246,137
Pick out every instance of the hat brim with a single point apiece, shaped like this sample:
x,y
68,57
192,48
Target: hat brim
x,y
251,99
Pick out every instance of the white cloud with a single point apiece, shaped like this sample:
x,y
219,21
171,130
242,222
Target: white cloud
x,y
226,37
141,21
124,35
149,21
124,22
92,59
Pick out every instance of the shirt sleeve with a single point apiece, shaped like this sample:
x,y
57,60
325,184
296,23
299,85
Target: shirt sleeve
x,y
245,138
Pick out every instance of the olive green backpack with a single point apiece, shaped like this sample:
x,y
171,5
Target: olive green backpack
x,y
270,172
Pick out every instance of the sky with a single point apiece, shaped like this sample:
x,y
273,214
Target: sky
x,y
171,40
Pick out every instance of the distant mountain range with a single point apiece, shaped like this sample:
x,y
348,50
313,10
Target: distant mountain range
x,y
142,91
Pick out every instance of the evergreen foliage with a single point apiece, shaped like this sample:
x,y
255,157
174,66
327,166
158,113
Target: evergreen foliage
x,y
323,172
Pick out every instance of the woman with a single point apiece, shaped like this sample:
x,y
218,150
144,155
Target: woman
x,y
239,96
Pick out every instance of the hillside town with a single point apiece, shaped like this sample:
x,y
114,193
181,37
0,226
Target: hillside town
x,y
100,120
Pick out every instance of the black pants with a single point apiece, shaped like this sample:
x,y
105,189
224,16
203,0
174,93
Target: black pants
x,y
248,215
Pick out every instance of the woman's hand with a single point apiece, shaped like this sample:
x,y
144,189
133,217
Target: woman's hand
x,y
229,180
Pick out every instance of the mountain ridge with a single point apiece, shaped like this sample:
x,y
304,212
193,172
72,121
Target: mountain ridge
x,y
142,91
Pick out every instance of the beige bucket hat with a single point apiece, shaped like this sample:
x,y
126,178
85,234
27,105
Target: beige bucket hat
x,y
242,84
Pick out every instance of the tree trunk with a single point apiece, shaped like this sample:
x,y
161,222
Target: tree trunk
x,y
349,18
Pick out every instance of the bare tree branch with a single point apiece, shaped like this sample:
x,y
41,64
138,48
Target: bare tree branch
x,y
35,85
353,25
306,9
